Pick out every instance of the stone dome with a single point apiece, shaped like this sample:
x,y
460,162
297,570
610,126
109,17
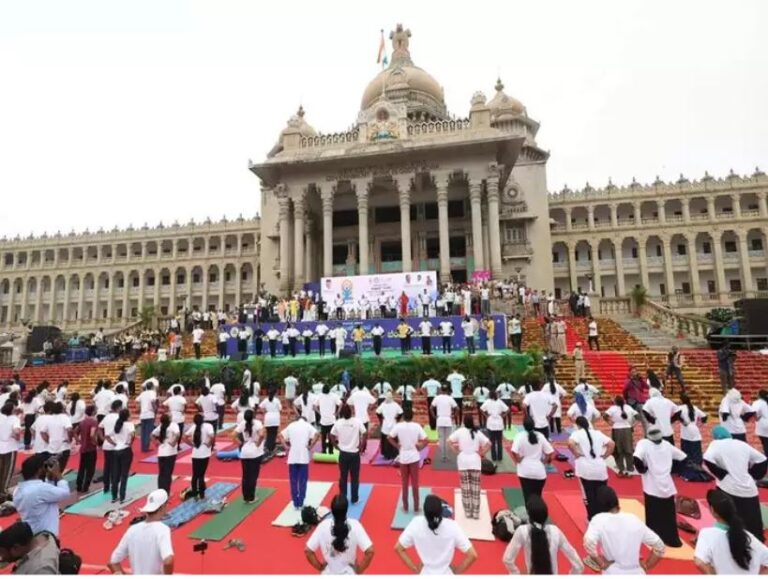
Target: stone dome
x,y
404,82
503,105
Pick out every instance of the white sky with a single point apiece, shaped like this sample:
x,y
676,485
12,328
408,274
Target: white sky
x,y
124,112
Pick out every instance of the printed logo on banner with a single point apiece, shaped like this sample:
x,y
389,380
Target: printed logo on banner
x,y
346,290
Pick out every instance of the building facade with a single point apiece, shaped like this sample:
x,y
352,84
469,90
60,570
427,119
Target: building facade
x,y
408,187
105,279
690,243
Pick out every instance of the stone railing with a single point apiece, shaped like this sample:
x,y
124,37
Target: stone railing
x,y
615,306
675,322
330,139
432,127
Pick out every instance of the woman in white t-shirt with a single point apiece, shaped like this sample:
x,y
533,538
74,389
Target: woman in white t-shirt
x,y
470,445
327,406
728,548
541,542
57,433
495,411
250,434
121,437
29,409
121,393
167,436
582,406
207,403
621,417
733,411
305,406
556,393
760,408
690,435
271,407
531,450
245,402
76,410
10,434
390,412
338,539
200,437
436,541
409,439
177,406
443,409
590,448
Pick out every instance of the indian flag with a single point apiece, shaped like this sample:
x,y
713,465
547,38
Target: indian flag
x,y
382,56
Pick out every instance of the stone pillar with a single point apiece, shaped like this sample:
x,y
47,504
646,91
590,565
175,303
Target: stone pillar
x,y
39,301
222,277
95,302
188,301
494,228
172,297
736,205
686,204
24,295
206,281
404,190
65,310
126,290
669,275
641,253
620,286
597,279
763,204
475,188
719,266
638,213
298,240
746,268
309,250
567,218
711,208
284,228
662,210
614,215
111,295
441,185
327,199
156,293
572,267
239,284
591,216
693,262
361,191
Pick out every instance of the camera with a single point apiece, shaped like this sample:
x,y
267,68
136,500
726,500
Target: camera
x,y
200,547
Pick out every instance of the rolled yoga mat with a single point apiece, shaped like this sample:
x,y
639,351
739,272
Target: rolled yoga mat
x,y
401,518
316,492
478,529
233,514
99,504
332,458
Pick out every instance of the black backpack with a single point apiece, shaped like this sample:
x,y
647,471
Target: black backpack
x,y
487,466
503,525
69,562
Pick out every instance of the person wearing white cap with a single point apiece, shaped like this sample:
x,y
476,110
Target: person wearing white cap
x,y
147,545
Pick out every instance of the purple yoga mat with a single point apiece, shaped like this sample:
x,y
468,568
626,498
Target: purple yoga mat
x,y
381,461
371,451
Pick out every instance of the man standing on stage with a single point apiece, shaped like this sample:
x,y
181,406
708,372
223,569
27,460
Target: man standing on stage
x,y
272,335
340,336
516,333
383,305
446,331
403,332
425,301
339,305
307,335
322,332
490,331
377,332
468,325
450,298
364,305
223,339
425,328
258,340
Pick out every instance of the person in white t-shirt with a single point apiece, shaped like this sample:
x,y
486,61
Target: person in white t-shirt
x,y
147,402
516,333
120,435
690,435
531,451
361,400
495,412
305,405
271,408
406,393
728,548
167,435
456,379
208,406
733,412
200,436
659,412
504,392
147,544
469,329
590,448
197,340
583,407
436,540
425,330
340,338
540,406
613,539
327,405
409,439
250,434
177,406
444,410
10,434
621,416
480,394
339,538
389,411
470,445
760,408
431,388
556,392
653,460
57,433
736,466
299,437
103,401
348,435
291,384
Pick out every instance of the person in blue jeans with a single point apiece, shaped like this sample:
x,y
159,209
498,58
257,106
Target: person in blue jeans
x,y
299,437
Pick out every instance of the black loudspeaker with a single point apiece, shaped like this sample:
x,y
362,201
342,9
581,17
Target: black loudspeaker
x,y
755,314
238,357
347,353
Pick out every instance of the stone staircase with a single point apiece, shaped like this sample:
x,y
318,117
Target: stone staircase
x,y
654,338
613,337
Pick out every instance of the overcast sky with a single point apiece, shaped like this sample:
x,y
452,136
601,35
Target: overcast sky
x,y
124,112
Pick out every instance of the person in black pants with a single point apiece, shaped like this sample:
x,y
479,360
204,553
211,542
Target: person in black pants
x,y
201,440
258,340
348,435
250,433
29,419
167,435
122,438
377,332
291,340
87,466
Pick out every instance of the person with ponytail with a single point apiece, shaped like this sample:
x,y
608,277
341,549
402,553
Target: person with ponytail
x,y
76,411
728,548
305,405
690,435
436,541
530,450
106,425
470,445
584,407
540,543
121,437
338,539
271,408
177,406
250,434
208,406
29,408
167,436
621,416
760,408
200,437
590,448
10,433
556,393
243,403
496,412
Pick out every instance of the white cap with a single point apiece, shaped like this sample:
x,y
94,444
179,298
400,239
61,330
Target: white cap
x,y
155,500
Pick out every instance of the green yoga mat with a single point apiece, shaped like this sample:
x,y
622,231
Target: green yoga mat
x,y
401,519
233,514
431,434
511,432
316,492
332,458
513,497
449,464
764,513
507,465
99,504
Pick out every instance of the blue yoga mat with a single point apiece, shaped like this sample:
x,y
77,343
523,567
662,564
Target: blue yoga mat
x,y
191,508
363,494
103,501
228,454
402,518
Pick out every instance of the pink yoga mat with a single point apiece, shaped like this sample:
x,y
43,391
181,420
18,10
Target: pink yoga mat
x,y
706,520
371,451
573,504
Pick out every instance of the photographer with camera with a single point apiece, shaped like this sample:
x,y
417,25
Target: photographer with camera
x,y
38,495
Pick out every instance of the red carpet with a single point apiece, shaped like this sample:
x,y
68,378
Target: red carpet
x,y
610,368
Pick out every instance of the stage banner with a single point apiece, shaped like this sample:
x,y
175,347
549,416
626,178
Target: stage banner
x,y
352,288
